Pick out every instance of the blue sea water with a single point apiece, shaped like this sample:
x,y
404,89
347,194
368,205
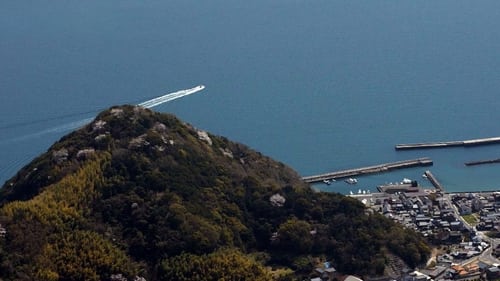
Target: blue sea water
x,y
319,85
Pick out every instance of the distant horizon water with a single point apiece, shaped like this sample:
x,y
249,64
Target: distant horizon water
x,y
318,85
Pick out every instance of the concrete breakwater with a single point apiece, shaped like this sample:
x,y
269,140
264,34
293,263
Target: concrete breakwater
x,y
445,144
481,162
434,181
425,161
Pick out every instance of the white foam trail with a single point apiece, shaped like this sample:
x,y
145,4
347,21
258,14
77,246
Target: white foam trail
x,y
59,129
69,126
169,97
78,124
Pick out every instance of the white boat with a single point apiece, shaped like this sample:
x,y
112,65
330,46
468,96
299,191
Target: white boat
x,y
406,181
351,181
328,181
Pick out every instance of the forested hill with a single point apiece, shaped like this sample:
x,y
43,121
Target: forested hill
x,y
138,194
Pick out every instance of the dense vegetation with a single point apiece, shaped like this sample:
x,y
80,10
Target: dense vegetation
x,y
137,193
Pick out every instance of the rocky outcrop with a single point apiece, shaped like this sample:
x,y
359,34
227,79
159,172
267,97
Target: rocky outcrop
x,y
60,155
277,200
202,135
138,142
85,153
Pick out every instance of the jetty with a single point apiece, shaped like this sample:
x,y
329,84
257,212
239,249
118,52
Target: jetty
x,y
434,181
446,144
425,161
481,162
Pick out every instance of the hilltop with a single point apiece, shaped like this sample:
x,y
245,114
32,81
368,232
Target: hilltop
x,y
138,194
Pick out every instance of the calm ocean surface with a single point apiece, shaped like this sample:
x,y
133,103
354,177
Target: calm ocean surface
x,y
318,85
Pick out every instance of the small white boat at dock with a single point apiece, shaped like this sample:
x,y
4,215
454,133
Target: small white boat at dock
x,y
351,181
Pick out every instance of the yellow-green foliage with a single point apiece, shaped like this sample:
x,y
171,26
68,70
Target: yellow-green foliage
x,y
46,233
63,202
220,265
80,255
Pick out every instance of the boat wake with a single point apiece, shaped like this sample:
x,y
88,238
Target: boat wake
x,y
170,97
80,123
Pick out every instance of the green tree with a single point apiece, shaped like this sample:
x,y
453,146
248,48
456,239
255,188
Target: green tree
x,y
294,235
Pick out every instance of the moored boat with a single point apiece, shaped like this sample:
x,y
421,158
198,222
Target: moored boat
x,y
351,181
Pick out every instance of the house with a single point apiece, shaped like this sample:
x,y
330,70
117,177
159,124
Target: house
x,y
464,209
417,276
477,204
352,278
3,231
456,225
326,274
445,259
493,273
445,224
455,236
436,214
435,272
496,251
423,225
467,272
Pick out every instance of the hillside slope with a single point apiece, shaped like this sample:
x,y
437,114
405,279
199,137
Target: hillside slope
x,y
138,193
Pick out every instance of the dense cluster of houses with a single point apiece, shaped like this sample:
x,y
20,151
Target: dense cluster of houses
x,y
431,214
486,205
437,216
